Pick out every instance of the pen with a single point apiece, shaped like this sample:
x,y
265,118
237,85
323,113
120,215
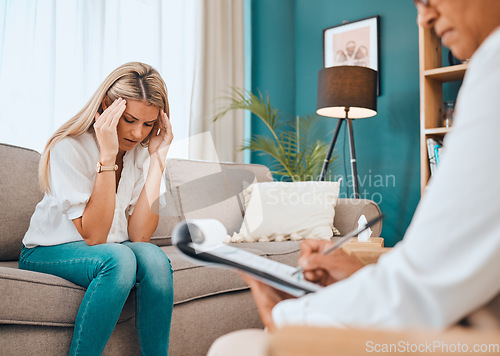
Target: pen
x,y
344,239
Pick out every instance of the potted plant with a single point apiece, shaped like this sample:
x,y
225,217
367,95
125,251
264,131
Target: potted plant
x,y
296,156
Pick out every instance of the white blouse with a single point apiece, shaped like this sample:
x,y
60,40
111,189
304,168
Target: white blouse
x,y
72,175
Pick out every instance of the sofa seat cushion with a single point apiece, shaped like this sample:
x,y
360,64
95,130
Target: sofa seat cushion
x,y
33,298
285,252
193,281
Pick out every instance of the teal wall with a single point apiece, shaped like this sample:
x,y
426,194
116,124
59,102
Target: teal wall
x,y
287,52
273,58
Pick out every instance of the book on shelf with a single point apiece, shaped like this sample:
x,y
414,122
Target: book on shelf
x,y
434,152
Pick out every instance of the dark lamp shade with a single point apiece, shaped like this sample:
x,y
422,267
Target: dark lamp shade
x,y
352,87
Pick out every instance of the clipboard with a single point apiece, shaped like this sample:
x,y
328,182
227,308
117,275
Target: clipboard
x,y
200,240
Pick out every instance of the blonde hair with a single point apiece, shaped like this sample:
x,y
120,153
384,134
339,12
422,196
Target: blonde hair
x,y
133,80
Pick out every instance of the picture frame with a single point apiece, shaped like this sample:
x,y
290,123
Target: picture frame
x,y
353,43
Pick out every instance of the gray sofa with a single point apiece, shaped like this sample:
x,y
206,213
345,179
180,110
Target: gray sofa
x,y
37,311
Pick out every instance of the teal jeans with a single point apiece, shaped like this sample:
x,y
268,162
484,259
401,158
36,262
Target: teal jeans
x,y
109,272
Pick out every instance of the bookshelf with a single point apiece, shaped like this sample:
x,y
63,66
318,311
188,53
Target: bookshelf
x,y
432,77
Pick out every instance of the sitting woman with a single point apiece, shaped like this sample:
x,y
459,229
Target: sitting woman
x,y
101,172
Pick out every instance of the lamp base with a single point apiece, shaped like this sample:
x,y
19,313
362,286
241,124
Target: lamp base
x,y
326,162
352,152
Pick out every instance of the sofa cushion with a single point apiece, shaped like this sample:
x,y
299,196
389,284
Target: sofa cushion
x,y
285,252
193,281
208,190
56,303
57,300
279,211
19,194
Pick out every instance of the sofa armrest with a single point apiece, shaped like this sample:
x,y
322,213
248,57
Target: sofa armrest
x,y
348,211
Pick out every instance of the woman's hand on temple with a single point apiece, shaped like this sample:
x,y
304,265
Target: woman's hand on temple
x,y
105,130
161,137
326,269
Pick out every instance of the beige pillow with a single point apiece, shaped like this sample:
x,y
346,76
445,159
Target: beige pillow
x,y
279,211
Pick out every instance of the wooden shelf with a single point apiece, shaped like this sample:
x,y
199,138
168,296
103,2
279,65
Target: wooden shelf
x,y
437,131
432,77
447,74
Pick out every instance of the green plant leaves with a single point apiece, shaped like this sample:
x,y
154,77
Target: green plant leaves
x,y
289,145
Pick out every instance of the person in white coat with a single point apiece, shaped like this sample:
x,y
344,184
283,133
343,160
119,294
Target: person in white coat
x,y
447,264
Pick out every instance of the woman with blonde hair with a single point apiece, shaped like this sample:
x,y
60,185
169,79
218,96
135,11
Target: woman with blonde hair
x,y
101,172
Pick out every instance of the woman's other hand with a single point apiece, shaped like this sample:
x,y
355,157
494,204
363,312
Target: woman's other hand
x,y
105,130
161,137
326,269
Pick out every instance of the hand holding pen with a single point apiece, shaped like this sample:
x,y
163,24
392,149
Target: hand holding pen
x,y
314,255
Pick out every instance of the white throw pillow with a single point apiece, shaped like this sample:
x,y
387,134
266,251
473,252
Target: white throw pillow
x,y
279,211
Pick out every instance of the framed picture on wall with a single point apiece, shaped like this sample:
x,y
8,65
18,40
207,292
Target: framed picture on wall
x,y
353,43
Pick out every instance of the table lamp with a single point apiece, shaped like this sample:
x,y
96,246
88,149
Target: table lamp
x,y
346,93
